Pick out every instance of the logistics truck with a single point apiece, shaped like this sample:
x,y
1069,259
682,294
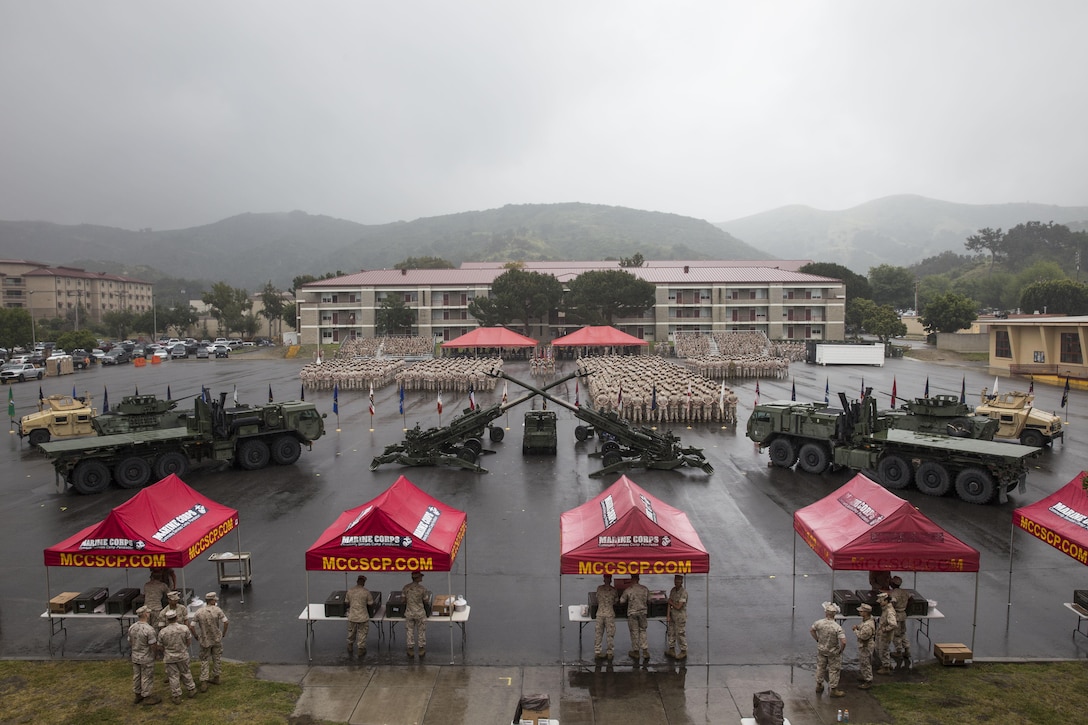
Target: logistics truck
x,y
816,437
248,437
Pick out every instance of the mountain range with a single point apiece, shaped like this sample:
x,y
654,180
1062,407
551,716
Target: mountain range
x,y
249,250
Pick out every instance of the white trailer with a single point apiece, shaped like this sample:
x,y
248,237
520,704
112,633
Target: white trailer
x,y
832,354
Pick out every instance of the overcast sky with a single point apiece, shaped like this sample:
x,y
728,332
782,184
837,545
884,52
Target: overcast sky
x,y
176,114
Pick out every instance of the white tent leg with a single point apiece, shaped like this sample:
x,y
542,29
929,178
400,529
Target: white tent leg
x,y
1008,607
974,617
241,575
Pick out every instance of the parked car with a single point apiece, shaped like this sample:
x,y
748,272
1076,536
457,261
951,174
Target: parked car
x,y
202,353
116,356
179,350
97,354
24,358
20,371
81,359
221,350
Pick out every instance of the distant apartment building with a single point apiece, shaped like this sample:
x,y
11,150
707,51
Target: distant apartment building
x,y
692,296
49,292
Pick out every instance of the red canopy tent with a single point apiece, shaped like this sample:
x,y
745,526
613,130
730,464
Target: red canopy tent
x,y
491,337
600,336
403,529
864,526
625,530
167,524
1060,519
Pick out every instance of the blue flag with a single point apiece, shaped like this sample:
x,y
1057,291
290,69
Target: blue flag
x,y
402,398
302,392
926,393
41,395
74,392
653,398
793,392
168,393
205,395
105,400
137,389
1065,393
827,391
963,389
336,398
270,392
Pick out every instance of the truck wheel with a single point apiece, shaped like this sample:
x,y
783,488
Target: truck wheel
x,y
174,462
813,458
467,454
1029,437
253,455
132,473
975,485
286,450
610,446
91,477
894,472
932,478
581,432
782,453
38,436
611,458
496,433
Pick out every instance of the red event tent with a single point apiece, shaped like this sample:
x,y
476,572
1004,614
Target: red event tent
x,y
863,527
1060,519
601,336
491,337
167,524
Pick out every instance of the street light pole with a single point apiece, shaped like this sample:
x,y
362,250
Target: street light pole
x,y
30,309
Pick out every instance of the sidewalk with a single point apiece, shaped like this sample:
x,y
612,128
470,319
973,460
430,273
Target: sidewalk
x,y
665,694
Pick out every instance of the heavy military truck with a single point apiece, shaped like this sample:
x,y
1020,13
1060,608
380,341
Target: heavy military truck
x,y
1018,418
249,437
943,415
816,437
539,434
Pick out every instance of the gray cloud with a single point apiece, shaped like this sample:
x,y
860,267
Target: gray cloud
x,y
140,114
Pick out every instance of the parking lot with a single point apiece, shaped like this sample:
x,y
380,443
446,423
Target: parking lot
x,y
508,569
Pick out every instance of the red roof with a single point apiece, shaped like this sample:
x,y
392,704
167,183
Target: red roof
x,y
491,337
403,529
625,530
863,526
164,525
597,337
1060,519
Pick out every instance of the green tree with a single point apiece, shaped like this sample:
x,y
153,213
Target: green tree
x,y
949,313
290,315
1033,240
272,304
518,295
635,260
182,317
991,240
15,327
394,317
489,311
119,323
892,286
1055,297
228,305
77,339
599,296
249,325
424,263
882,321
856,285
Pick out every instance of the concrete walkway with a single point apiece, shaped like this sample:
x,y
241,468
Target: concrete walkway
x,y
666,694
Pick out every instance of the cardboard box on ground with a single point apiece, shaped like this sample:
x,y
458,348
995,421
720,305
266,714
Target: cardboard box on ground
x,y
533,710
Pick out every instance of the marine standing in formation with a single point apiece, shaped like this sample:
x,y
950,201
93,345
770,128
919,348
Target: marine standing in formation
x,y
358,599
900,598
866,634
175,638
830,642
142,641
415,625
605,625
210,627
637,599
889,625
676,631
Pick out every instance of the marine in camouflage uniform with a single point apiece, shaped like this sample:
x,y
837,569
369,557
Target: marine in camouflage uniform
x,y
173,604
637,599
210,627
676,631
141,641
605,625
175,638
889,625
830,642
154,590
415,625
866,634
358,598
900,642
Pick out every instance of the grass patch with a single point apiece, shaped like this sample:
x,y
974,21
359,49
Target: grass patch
x,y
100,692
997,693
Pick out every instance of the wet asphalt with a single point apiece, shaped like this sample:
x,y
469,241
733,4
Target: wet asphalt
x,y
742,614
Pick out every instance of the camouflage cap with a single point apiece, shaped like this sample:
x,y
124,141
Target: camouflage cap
x,y
173,595
171,614
211,595
865,608
142,610
831,607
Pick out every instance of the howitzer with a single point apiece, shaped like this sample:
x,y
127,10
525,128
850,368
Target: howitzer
x,y
458,444
624,446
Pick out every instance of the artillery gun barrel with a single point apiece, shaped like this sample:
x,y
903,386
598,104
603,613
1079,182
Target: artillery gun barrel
x,y
533,391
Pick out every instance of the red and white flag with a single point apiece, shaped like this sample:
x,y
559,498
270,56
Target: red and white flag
x,y
757,392
471,398
504,392
440,402
577,402
893,392
372,398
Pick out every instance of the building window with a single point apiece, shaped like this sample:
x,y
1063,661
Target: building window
x,y
1071,348
1002,348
